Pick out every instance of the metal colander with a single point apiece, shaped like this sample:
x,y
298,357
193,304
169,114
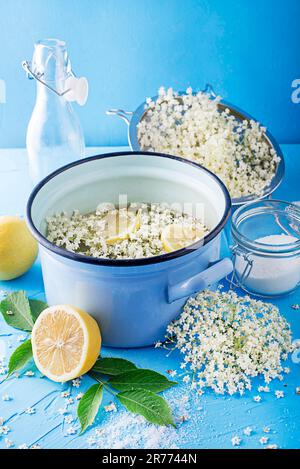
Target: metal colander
x,y
133,118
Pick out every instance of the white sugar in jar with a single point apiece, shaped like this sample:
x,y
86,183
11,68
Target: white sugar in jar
x,y
266,237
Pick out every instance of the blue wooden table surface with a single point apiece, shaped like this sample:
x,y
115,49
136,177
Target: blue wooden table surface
x,y
36,413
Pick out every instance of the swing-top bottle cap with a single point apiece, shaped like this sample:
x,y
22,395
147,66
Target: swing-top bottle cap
x,y
51,66
78,90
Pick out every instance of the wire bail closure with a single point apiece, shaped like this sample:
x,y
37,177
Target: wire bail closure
x,y
77,88
234,281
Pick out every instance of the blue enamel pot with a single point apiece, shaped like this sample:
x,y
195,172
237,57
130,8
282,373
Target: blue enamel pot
x,y
133,300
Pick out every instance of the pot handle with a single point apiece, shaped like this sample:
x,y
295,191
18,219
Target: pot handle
x,y
200,281
120,113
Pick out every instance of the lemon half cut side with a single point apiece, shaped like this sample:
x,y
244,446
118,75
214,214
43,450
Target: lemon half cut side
x,y
119,225
178,236
66,342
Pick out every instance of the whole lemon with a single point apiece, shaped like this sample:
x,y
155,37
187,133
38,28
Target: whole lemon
x,y
18,248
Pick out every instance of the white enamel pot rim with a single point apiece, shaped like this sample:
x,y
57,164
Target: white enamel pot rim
x,y
125,262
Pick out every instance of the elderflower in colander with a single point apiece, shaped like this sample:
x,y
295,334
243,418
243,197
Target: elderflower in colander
x,y
194,127
226,340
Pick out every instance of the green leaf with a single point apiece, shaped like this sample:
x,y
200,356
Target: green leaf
x,y
141,379
153,407
16,312
89,405
20,357
112,366
36,307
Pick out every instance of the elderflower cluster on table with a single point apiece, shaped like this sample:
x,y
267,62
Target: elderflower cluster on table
x,y
227,339
194,127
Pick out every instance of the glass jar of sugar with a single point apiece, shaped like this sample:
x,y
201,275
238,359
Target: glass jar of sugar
x,y
266,247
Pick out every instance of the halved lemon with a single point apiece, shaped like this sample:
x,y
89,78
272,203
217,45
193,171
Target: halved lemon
x,y
178,236
66,342
119,224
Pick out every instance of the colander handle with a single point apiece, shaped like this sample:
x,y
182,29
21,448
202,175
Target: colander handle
x,y
200,281
124,115
210,91
120,113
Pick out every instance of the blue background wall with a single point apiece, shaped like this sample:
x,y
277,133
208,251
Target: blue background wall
x,y
248,49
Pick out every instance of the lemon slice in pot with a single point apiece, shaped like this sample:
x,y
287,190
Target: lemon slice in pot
x,y
178,236
65,342
119,224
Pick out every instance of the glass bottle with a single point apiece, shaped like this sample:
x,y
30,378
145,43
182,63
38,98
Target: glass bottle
x,y
54,136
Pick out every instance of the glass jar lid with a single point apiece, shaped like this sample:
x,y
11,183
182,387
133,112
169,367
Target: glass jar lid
x,y
267,227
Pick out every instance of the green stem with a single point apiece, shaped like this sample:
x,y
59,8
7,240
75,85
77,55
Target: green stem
x,y
109,389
